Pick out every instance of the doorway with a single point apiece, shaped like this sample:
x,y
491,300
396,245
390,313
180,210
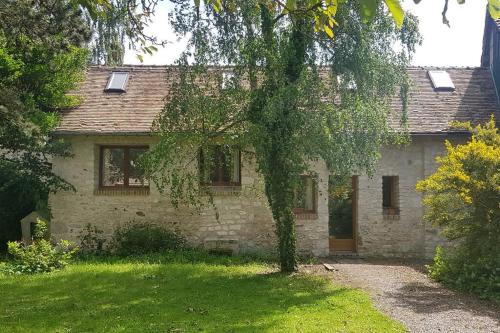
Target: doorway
x,y
342,206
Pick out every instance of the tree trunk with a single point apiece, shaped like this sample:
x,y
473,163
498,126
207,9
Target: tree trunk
x,y
277,163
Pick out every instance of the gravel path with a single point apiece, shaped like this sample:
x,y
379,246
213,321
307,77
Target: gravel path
x,y
404,292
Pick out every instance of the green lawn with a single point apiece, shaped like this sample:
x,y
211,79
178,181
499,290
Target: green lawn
x,y
176,293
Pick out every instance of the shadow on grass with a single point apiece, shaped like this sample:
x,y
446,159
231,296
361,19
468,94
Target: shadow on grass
x,y
186,256
139,297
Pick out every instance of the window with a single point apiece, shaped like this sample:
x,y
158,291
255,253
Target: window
x,y
117,82
390,193
220,166
228,80
305,196
118,167
441,81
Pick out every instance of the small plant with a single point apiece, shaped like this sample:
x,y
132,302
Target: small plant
x,y
40,256
91,240
136,238
40,230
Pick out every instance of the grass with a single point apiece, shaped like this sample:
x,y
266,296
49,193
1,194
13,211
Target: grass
x,y
183,293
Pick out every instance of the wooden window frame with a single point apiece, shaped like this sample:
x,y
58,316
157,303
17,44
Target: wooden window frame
x,y
393,208
300,210
126,167
220,174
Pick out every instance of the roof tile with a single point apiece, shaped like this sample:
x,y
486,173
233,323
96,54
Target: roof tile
x,y
133,112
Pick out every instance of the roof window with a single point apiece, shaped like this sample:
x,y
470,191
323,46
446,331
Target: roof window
x,y
117,82
228,80
441,81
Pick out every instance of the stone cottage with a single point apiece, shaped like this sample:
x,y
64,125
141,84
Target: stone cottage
x,y
381,217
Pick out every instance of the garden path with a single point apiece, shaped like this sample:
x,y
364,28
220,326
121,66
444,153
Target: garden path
x,y
405,293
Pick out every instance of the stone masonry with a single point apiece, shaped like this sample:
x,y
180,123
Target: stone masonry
x,y
245,219
244,216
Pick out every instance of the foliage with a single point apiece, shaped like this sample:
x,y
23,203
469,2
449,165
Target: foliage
x,y
120,21
135,238
184,292
91,240
457,269
39,257
296,96
42,57
462,199
109,33
41,231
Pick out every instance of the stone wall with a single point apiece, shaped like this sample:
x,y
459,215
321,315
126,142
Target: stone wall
x,y
244,217
405,234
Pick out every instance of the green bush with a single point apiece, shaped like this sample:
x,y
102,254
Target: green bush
x,y
39,257
460,271
136,238
461,198
91,240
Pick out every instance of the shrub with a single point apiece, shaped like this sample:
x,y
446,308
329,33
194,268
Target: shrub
x,y
462,198
136,238
39,257
460,271
91,240
41,231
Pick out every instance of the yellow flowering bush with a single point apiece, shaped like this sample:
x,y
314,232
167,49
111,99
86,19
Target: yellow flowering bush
x,y
462,198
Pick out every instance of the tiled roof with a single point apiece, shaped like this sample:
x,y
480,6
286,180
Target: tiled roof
x,y
132,112
430,111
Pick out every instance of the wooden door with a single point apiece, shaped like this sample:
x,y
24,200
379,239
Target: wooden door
x,y
342,203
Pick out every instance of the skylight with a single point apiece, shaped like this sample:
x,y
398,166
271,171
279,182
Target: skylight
x,y
228,80
117,82
441,81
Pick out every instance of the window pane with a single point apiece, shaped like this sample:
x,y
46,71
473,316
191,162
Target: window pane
x,y
304,196
390,191
299,198
309,194
220,165
340,205
386,191
235,155
136,175
113,167
223,164
117,81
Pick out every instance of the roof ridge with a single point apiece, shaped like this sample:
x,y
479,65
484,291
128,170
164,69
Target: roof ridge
x,y
446,67
157,67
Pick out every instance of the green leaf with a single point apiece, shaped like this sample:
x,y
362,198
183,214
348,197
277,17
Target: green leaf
x,y
368,9
396,10
494,8
140,57
291,4
197,3
328,31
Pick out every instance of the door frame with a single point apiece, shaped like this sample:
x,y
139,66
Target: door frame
x,y
354,203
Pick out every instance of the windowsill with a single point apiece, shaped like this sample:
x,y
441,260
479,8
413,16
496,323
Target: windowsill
x,y
390,213
122,191
391,217
226,190
306,216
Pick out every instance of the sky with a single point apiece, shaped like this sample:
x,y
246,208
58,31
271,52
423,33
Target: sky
x,y
457,45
